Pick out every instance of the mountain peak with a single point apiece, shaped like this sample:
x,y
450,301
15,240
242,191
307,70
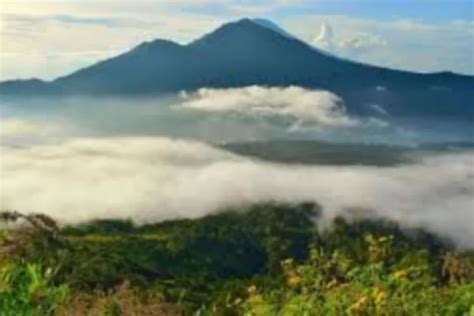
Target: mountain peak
x,y
244,27
272,26
244,22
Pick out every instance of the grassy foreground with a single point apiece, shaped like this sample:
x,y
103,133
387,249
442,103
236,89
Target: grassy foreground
x,y
264,260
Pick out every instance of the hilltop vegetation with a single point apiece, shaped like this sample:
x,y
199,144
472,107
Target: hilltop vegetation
x,y
263,260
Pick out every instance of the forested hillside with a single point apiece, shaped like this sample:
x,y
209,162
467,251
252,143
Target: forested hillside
x,y
262,260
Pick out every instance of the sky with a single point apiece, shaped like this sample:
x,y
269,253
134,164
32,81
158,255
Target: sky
x,y
48,39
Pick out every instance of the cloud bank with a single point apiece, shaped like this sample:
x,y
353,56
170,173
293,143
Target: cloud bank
x,y
16,127
302,105
356,44
14,130
152,179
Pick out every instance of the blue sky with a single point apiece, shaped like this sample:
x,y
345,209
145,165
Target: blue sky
x,y
427,10
47,39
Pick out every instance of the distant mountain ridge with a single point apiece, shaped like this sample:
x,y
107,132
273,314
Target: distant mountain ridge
x,y
258,52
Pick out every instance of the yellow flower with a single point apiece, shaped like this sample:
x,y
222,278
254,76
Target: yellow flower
x,y
359,304
400,274
294,280
379,298
379,295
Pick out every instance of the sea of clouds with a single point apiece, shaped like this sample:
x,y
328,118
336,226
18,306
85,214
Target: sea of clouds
x,y
151,160
219,115
156,178
216,115
303,105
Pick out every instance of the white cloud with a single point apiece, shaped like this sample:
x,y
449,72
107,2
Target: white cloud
x,y
353,45
303,105
325,38
362,41
12,127
397,43
21,131
152,179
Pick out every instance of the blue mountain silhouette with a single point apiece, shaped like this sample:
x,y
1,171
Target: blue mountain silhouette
x,y
258,52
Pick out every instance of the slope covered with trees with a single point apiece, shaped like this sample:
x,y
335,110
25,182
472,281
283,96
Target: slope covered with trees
x,y
262,260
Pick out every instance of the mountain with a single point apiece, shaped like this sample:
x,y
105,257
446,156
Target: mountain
x,y
258,52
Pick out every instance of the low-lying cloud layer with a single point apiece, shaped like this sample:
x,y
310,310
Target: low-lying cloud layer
x,y
18,131
302,105
17,127
152,179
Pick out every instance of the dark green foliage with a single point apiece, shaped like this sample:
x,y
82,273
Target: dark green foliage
x,y
233,244
101,227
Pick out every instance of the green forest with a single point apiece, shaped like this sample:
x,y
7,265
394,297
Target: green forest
x,y
266,259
